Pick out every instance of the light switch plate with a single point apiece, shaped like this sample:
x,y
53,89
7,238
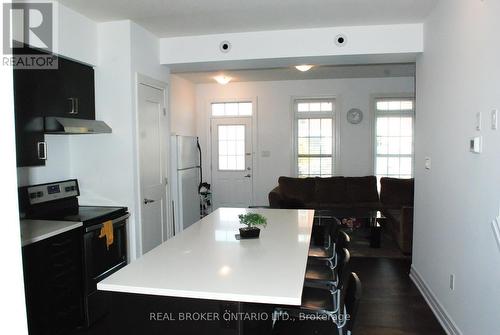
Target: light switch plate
x,y
478,121
494,119
428,163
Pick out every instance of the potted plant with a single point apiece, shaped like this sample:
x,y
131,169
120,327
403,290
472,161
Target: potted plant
x,y
252,221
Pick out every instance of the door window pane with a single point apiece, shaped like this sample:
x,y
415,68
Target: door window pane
x,y
232,109
231,147
245,109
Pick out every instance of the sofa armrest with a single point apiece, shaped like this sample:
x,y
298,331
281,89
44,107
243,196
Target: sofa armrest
x,y
275,198
406,229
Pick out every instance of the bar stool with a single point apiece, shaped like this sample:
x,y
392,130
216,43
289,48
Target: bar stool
x,y
340,241
317,304
320,275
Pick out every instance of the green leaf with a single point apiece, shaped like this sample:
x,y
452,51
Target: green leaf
x,y
252,220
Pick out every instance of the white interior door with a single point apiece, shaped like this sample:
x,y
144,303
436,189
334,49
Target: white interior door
x,y
232,162
152,119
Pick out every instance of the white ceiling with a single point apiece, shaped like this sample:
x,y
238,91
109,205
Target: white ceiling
x,y
319,72
168,18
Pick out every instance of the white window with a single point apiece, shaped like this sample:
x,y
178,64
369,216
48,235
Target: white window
x,y
394,120
231,140
315,137
232,108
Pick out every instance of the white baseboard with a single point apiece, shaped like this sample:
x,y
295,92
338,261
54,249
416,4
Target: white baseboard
x,y
444,319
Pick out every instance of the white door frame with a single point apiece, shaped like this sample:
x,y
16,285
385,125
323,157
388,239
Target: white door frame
x,y
163,86
255,140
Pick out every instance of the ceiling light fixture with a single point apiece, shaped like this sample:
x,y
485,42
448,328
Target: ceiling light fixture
x,y
223,80
304,67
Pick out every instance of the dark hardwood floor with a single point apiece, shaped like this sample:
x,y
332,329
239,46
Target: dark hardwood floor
x,y
391,304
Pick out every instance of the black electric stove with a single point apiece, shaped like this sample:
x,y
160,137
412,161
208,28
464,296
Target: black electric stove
x,y
58,201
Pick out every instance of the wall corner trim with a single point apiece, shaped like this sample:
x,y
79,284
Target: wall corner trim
x,y
443,317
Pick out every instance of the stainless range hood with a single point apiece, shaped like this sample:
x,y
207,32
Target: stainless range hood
x,y
68,126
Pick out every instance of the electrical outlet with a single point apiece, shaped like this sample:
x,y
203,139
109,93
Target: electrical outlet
x,y
452,282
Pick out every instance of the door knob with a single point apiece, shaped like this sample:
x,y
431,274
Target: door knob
x,y
148,201
248,176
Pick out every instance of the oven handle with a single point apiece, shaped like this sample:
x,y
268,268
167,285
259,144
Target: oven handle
x,y
114,221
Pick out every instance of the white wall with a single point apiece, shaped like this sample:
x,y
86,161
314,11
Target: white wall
x,y
57,166
107,165
296,43
77,36
12,304
455,201
275,117
182,106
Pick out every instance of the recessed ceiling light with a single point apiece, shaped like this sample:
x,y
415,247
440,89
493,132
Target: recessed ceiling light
x,y
304,67
223,80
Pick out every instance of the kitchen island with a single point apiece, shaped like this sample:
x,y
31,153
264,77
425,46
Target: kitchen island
x,y
206,270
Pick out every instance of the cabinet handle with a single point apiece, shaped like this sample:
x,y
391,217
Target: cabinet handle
x,y
77,105
42,150
74,106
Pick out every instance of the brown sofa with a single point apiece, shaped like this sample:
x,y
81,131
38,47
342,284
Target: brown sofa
x,y
396,196
396,199
325,193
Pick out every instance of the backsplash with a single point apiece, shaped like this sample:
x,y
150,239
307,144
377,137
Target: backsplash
x,y
58,164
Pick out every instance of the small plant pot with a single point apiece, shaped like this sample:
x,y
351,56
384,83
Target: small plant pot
x,y
251,232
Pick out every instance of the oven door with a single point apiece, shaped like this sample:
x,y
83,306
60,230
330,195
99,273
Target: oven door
x,y
100,262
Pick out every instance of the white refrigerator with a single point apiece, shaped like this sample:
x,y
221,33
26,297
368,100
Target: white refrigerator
x,y
185,181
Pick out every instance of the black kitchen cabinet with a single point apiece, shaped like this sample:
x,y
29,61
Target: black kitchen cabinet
x,y
67,91
31,148
53,284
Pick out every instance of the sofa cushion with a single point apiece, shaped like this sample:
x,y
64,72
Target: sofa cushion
x,y
395,192
394,217
361,189
330,190
297,192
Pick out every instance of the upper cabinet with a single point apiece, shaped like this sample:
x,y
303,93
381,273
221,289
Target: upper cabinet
x,y
67,91
31,148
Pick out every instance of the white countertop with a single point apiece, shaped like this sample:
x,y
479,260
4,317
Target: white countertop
x,y
36,230
205,261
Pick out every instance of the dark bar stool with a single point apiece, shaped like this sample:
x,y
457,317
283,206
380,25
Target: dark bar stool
x,y
327,251
317,304
328,256
320,275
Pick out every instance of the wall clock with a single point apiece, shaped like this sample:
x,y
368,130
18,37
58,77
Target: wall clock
x,y
354,116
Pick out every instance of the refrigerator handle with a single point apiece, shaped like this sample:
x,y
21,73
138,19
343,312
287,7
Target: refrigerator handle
x,y
173,217
201,168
